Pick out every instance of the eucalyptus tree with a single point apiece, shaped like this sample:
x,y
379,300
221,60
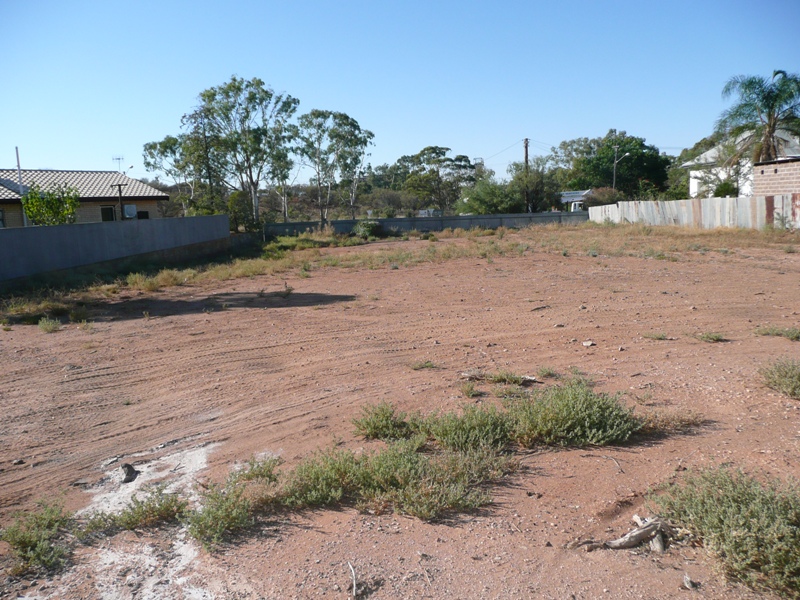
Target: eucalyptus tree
x,y
762,109
171,157
435,178
249,120
333,145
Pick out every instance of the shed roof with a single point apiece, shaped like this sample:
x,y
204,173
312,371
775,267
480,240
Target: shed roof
x,y
91,185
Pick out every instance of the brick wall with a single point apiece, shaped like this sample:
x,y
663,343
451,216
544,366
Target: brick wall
x,y
776,177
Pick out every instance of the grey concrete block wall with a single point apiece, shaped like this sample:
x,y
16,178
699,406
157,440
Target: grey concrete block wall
x,y
32,250
427,224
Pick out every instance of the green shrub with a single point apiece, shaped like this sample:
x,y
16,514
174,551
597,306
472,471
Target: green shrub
x,y
790,333
753,528
570,415
321,480
367,229
711,338
423,364
476,428
225,511
49,325
784,376
33,537
158,507
382,422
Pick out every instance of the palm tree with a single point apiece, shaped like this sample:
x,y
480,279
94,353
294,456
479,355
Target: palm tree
x,y
764,108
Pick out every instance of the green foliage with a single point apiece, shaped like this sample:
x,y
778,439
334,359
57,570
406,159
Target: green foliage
x,y
711,337
33,537
605,195
367,229
790,333
49,325
477,427
762,108
655,335
752,527
589,163
381,421
56,205
570,415
425,364
726,188
158,507
784,376
490,197
225,512
322,479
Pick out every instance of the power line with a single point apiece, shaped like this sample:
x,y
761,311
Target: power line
x,y
504,150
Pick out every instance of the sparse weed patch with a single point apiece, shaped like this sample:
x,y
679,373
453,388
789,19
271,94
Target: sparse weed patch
x,y
224,513
33,537
49,325
477,427
547,373
661,423
570,415
711,337
783,376
469,390
382,422
790,333
752,527
425,364
655,336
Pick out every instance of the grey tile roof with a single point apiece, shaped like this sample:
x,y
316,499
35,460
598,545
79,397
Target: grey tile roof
x,y
91,185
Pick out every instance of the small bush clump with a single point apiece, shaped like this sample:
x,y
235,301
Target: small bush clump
x,y
790,333
382,422
33,537
711,337
570,415
49,325
783,376
225,511
367,229
475,429
752,527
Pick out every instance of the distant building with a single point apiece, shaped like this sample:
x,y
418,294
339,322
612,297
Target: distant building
x,y
777,178
710,169
574,201
99,195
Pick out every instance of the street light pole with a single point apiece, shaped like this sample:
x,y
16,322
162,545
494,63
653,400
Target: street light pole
x,y
616,160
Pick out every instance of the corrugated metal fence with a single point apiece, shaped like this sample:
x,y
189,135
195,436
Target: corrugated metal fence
x,y
752,212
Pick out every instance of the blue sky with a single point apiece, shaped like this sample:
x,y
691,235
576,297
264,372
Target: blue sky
x,y
84,81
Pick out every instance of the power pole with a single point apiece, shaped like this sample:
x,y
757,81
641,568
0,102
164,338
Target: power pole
x,y
527,177
119,187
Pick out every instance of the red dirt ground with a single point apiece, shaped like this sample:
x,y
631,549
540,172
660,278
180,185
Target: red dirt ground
x,y
227,370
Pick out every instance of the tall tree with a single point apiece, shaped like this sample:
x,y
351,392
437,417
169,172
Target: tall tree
x,y
249,119
539,180
170,157
333,145
763,107
435,178
589,163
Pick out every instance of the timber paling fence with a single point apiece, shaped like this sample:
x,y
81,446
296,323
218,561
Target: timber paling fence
x,y
749,212
429,224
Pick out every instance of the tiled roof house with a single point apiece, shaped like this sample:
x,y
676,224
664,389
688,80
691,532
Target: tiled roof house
x,y
99,196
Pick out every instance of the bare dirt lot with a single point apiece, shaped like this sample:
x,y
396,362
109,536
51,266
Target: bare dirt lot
x,y
186,382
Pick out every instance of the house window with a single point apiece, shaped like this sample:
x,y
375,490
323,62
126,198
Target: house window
x,y
2,218
142,214
107,213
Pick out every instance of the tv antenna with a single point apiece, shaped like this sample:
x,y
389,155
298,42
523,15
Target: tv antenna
x,y
119,160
